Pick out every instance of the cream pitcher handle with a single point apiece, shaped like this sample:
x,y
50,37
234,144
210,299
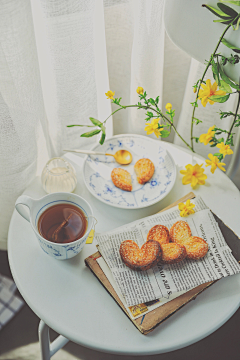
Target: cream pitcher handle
x,y
27,201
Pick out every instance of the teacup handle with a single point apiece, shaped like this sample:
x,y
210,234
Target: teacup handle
x,y
24,200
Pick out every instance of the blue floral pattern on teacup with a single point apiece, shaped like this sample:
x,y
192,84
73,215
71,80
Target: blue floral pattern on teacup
x,y
62,252
97,172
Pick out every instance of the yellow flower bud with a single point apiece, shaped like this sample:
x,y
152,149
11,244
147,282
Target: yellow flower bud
x,y
195,90
110,94
140,90
168,106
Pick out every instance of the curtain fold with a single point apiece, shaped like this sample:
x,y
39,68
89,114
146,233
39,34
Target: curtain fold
x,y
21,106
57,60
69,33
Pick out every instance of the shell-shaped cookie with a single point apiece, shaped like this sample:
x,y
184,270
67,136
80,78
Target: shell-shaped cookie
x,y
173,253
121,179
144,169
180,231
140,259
196,247
159,233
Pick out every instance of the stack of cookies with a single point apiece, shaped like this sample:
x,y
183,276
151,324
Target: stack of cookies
x,y
164,246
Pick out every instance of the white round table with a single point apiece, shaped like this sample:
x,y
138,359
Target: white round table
x,y
67,297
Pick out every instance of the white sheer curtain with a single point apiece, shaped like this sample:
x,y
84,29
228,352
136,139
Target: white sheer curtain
x,y
58,58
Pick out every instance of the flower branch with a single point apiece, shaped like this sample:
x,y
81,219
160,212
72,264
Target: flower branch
x,y
220,91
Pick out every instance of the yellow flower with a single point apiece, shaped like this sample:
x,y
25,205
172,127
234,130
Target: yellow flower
x,y
168,106
224,149
110,94
214,162
140,90
206,138
186,209
153,128
194,175
207,91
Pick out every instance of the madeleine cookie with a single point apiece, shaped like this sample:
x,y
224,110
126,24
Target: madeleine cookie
x,y
180,231
121,179
144,170
159,233
196,247
173,253
140,259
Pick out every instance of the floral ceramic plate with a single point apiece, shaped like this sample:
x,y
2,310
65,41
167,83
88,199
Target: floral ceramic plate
x,y
97,172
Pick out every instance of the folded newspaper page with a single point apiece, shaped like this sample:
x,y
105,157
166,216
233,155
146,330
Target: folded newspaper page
x,y
139,310
164,280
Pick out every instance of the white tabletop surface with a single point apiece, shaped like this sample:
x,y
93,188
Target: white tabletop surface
x,y
68,297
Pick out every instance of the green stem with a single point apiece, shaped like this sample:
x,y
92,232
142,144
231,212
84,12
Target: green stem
x,y
159,113
208,64
235,116
123,107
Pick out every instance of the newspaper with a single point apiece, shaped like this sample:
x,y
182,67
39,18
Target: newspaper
x,y
139,310
164,280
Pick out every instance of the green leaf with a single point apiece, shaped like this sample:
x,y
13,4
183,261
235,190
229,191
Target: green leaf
x,y
149,114
91,133
95,121
226,79
231,2
194,104
219,98
80,125
215,77
151,101
216,154
225,22
157,99
197,121
230,46
215,71
217,12
196,139
101,141
164,133
237,25
227,10
103,128
225,87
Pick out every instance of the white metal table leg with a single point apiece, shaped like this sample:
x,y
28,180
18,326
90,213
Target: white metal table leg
x,y
47,349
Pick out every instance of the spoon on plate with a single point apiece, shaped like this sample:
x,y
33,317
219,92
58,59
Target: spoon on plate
x,y
123,157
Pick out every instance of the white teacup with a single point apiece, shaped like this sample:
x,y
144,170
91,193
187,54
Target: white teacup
x,y
59,251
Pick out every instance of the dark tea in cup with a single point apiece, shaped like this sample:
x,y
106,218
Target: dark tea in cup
x,y
62,223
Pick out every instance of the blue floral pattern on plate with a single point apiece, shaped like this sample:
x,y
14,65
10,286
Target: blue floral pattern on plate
x,y
97,172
